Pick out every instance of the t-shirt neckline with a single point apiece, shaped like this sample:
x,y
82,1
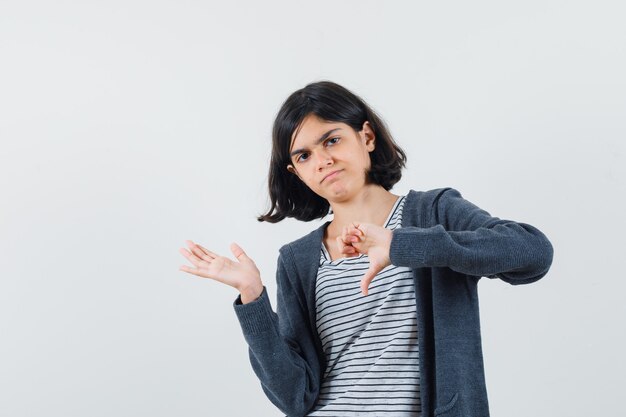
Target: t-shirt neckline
x,y
386,223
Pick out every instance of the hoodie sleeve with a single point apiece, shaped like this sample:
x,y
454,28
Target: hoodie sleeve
x,y
280,346
466,239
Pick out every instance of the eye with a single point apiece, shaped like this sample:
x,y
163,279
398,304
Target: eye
x,y
304,156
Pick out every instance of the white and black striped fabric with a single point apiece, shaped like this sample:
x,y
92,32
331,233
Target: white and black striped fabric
x,y
370,341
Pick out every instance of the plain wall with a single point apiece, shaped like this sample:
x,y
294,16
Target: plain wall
x,y
127,127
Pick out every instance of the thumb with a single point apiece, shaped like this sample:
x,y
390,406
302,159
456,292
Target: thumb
x,y
238,252
369,277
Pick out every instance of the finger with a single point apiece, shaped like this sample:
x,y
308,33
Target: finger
x,y
355,229
349,251
340,244
354,234
345,249
188,269
350,232
207,258
187,254
369,276
193,258
200,249
194,271
238,252
366,281
347,239
200,254
344,234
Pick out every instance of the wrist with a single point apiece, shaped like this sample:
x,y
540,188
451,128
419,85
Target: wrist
x,y
251,293
388,239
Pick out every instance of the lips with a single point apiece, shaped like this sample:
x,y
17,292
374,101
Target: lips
x,y
332,173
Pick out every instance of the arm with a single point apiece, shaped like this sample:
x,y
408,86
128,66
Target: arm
x,y
467,239
281,350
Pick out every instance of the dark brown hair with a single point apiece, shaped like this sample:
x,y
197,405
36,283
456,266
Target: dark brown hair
x,y
289,196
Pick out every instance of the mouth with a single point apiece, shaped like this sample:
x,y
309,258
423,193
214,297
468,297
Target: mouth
x,y
332,174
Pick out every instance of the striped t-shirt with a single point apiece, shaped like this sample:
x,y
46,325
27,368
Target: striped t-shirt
x,y
370,342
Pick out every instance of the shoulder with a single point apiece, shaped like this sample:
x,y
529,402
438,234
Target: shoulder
x,y
428,196
306,242
298,262
304,250
423,205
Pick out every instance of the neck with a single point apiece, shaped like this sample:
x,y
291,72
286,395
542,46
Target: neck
x,y
371,205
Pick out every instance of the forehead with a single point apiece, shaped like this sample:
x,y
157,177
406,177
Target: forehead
x,y
311,129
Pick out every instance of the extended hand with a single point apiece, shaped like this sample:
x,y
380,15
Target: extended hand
x,y
241,275
369,239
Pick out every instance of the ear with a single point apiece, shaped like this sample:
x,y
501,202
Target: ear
x,y
369,136
291,169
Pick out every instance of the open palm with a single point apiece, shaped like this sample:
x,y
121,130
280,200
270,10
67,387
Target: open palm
x,y
237,274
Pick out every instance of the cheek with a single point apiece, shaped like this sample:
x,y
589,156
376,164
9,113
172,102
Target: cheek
x,y
305,178
367,161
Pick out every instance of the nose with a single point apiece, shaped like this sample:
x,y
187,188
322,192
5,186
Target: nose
x,y
324,159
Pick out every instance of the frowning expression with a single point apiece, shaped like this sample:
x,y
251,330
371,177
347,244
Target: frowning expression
x,y
330,157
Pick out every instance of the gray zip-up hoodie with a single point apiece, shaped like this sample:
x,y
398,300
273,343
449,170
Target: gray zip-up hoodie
x,y
450,244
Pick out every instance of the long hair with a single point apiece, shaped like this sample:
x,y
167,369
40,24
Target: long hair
x,y
331,102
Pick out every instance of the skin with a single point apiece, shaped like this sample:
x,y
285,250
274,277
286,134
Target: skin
x,y
359,209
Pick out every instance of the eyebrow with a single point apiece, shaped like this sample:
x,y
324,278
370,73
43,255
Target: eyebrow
x,y
320,140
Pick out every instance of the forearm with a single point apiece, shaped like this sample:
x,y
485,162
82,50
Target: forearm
x,y
515,252
288,379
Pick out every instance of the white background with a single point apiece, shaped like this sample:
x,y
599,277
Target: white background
x,y
127,127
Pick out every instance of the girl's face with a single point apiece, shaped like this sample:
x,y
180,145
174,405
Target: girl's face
x,y
331,158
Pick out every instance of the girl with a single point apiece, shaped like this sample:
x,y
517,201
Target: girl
x,y
377,309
